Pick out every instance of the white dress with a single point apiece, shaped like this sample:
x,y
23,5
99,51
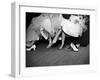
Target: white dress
x,y
71,28
49,24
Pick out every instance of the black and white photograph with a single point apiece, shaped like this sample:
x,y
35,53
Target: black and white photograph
x,y
57,39
48,40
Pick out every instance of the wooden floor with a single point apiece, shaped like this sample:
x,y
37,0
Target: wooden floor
x,y
53,56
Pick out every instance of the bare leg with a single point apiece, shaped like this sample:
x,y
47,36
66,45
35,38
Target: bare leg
x,y
63,40
56,36
42,33
50,42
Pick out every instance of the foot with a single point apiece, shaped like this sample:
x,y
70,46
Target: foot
x,y
60,47
73,47
28,49
49,45
32,47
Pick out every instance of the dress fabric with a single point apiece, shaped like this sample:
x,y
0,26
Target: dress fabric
x,y
71,28
49,22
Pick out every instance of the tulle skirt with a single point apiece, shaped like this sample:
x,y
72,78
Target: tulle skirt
x,y
71,29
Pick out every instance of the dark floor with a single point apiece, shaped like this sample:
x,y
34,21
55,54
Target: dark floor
x,y
53,56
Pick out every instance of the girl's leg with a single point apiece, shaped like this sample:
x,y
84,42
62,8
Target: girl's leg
x,y
63,40
50,42
56,36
